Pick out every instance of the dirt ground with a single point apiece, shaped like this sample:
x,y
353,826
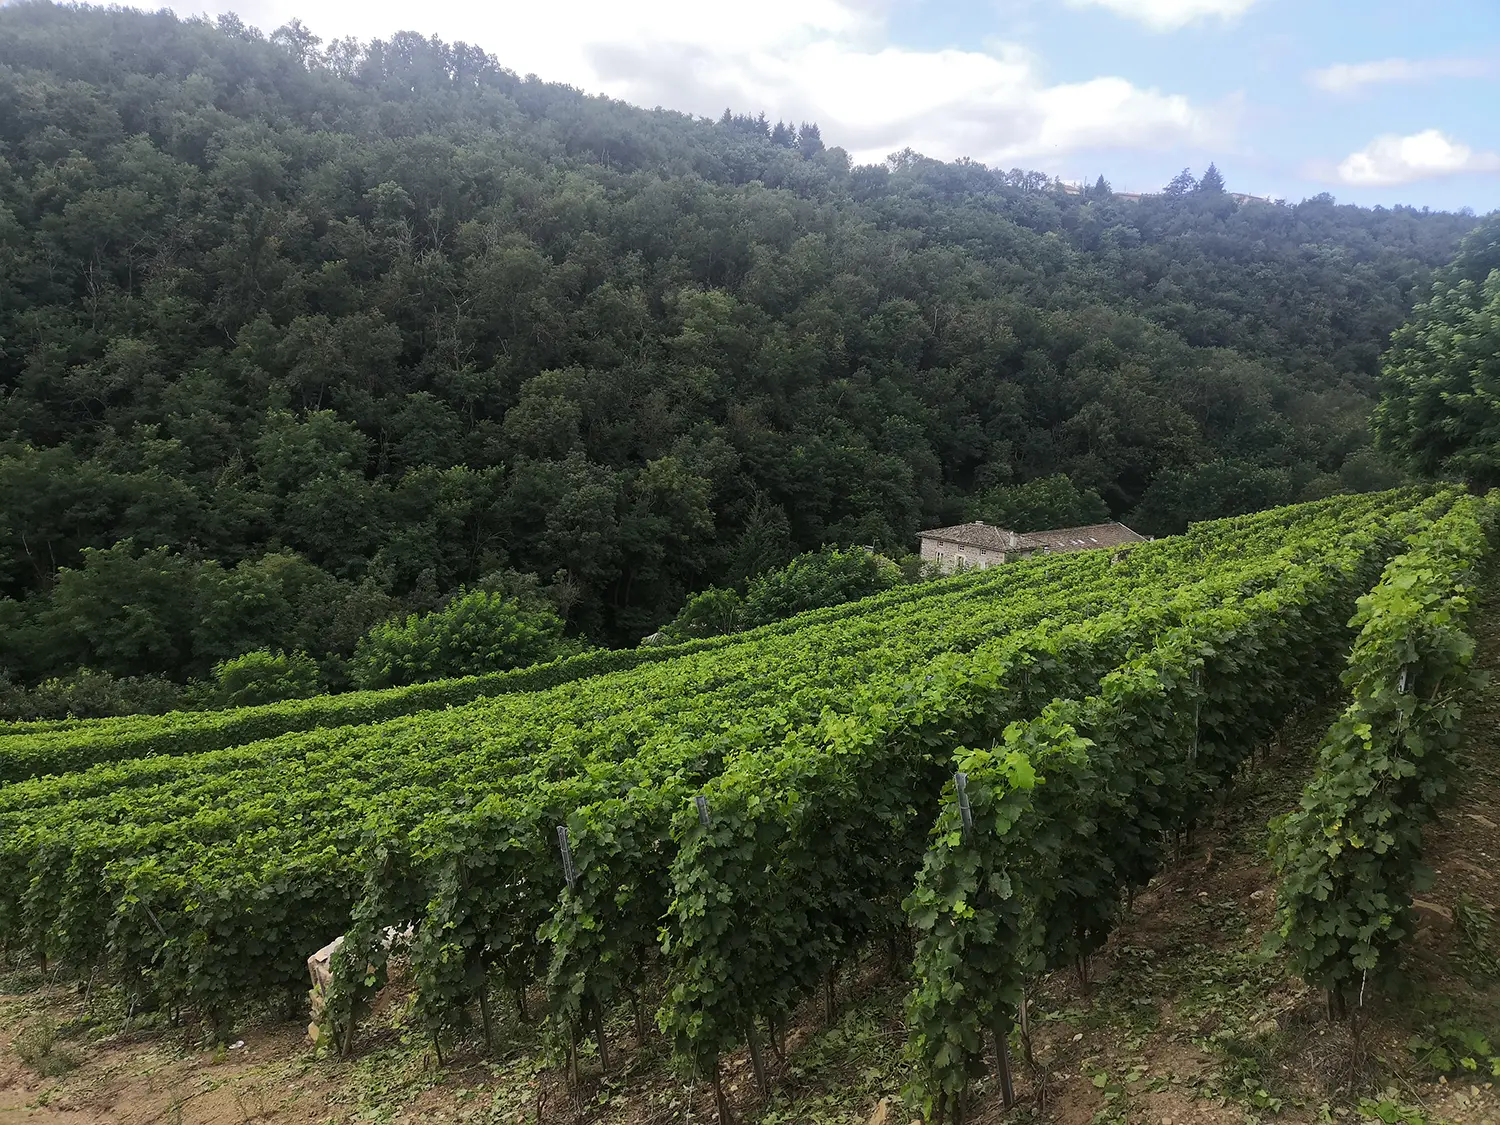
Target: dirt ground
x,y
1186,1021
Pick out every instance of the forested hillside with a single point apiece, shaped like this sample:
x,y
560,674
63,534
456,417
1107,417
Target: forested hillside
x,y
295,338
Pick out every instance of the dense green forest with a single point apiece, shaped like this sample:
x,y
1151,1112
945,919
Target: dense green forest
x,y
1439,411
298,339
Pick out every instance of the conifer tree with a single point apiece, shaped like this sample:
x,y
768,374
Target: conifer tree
x,y
1181,184
809,140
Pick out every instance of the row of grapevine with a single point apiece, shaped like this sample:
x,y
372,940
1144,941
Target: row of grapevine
x,y
36,749
1071,810
662,701
206,878
475,873
1349,857
185,862
771,683
602,930
764,907
790,857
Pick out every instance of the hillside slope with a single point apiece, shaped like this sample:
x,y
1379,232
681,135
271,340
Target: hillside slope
x,y
363,324
1186,1019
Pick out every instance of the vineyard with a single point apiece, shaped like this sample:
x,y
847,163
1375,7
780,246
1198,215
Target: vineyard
x,y
975,775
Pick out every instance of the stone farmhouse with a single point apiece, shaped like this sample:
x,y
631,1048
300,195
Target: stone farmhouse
x,y
980,545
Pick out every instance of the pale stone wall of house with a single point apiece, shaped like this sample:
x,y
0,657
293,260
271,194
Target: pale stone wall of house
x,y
952,556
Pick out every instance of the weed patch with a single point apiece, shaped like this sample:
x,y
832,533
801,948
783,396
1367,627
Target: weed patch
x,y
39,1048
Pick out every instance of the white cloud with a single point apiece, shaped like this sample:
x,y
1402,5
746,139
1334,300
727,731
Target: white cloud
x,y
1350,78
1169,15
828,61
1390,160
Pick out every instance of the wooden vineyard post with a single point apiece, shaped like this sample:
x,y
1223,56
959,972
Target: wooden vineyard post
x,y
758,1062
961,789
570,873
1197,707
1026,1028
640,1021
570,876
1002,1060
721,1103
603,1038
484,1015
1028,1052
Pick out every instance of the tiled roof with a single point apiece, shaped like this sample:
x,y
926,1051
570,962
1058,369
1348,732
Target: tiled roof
x,y
983,535
991,538
1083,538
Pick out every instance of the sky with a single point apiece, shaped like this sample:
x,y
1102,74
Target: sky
x,y
1376,101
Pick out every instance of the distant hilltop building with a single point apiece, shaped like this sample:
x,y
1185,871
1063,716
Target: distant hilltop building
x,y
980,545
1071,188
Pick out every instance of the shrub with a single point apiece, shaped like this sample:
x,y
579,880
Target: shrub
x,y
90,694
264,676
715,612
476,632
818,578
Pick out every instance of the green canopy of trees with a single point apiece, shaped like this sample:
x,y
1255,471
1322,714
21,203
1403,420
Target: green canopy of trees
x,y
810,581
1046,502
297,339
1440,407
